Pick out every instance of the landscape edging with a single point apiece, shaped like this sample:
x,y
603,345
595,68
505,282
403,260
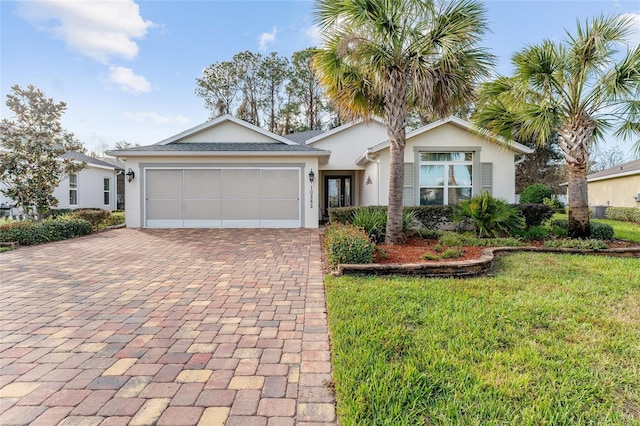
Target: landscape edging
x,y
468,268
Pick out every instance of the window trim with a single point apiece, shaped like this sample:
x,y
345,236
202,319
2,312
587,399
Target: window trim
x,y
73,187
106,192
475,164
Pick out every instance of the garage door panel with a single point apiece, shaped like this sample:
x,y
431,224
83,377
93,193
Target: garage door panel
x,y
202,184
240,184
280,184
219,197
164,210
164,184
279,210
202,209
241,210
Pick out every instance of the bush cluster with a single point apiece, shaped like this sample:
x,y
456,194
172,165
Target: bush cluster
x,y
535,214
31,233
115,218
94,216
599,231
347,244
623,214
535,194
432,217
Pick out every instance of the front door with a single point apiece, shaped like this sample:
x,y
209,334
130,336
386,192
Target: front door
x,y
337,192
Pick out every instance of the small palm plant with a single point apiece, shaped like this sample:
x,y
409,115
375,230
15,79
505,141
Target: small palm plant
x,y
490,216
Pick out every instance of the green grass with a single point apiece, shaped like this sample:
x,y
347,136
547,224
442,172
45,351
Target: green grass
x,y
549,340
621,230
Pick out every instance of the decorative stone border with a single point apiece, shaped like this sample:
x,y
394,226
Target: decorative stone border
x,y
468,268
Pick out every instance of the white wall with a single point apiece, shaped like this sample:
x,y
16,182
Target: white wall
x,y
349,144
133,196
228,131
90,189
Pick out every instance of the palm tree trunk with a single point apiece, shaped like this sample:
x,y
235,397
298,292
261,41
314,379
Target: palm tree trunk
x,y
574,143
395,117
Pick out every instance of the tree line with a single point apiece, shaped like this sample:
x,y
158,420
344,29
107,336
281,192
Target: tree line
x,y
280,94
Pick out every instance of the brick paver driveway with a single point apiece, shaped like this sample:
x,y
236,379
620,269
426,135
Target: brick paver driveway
x,y
167,327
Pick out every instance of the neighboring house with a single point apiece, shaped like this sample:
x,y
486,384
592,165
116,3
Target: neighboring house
x,y
229,173
618,186
95,186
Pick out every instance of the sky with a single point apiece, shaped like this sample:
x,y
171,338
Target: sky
x,y
127,69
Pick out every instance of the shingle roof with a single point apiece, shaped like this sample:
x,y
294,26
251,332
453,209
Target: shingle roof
x,y
302,137
220,147
625,168
78,156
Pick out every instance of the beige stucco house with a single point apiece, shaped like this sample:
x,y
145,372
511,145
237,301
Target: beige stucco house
x,y
618,186
229,173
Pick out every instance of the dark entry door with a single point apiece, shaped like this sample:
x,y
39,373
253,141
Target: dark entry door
x,y
337,192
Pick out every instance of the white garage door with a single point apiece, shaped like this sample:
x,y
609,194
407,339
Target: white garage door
x,y
223,197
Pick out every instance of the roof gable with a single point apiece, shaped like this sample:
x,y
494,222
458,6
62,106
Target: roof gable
x,y
461,124
342,128
226,129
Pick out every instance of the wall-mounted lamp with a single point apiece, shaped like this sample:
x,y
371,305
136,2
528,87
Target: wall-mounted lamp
x,y
312,176
130,175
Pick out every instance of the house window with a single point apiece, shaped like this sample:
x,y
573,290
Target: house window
x,y
445,177
73,190
107,191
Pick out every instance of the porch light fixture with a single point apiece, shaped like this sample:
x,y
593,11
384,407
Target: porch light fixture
x,y
312,176
130,175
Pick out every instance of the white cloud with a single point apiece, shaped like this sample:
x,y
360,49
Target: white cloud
x,y
156,118
97,29
313,35
128,81
634,38
267,38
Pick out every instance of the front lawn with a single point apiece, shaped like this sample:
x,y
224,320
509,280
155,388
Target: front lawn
x,y
550,339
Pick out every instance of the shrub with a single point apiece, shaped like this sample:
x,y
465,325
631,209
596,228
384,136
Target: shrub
x,y
490,216
53,213
554,203
373,221
599,231
535,194
347,244
535,233
427,234
116,218
94,216
432,217
576,244
535,214
623,214
30,233
455,239
450,253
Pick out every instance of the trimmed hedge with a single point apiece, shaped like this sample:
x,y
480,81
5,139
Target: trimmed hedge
x,y
94,216
347,244
116,218
535,214
431,217
28,233
623,214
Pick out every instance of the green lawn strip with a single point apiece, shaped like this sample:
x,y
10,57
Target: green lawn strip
x,y
551,339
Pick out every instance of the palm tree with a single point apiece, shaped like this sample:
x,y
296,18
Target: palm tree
x,y
574,88
388,57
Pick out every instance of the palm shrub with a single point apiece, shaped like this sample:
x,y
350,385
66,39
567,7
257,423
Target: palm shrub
x,y
374,223
490,216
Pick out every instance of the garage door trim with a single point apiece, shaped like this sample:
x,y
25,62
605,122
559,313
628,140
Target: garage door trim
x,y
257,202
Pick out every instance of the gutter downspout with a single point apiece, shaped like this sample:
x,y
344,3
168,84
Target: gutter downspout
x,y
377,163
520,160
